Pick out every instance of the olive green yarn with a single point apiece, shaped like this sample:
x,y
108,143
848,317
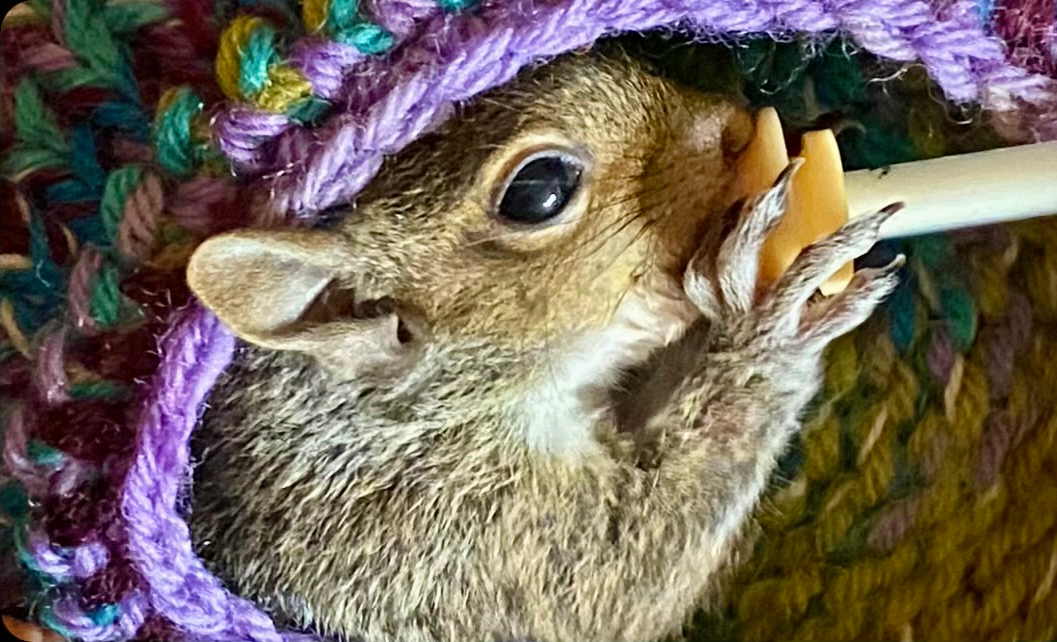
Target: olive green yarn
x,y
876,525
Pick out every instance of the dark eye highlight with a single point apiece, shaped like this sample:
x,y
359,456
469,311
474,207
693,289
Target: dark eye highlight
x,y
541,189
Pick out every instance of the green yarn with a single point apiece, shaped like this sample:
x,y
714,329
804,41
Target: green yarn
x,y
34,121
175,149
106,296
13,500
97,390
120,183
125,18
960,310
844,83
931,250
774,70
40,142
88,37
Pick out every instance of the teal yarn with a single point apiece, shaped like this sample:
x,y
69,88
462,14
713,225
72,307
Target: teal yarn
x,y
309,111
902,317
42,454
48,619
90,231
367,37
257,56
124,116
24,555
104,615
119,185
455,5
343,13
87,176
13,501
39,291
349,27
960,311
175,149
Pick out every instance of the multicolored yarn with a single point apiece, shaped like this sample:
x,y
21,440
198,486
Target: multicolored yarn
x,y
388,102
110,178
918,502
119,137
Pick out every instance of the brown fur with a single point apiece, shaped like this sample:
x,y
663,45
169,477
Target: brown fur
x,y
371,465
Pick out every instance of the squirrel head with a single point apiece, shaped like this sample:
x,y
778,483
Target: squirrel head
x,y
522,221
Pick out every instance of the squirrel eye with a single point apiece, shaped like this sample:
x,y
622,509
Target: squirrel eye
x,y
540,189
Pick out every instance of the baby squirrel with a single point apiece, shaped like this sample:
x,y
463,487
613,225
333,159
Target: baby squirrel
x,y
526,387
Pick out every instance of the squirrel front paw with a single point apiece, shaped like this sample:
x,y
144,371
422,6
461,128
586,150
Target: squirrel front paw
x,y
722,282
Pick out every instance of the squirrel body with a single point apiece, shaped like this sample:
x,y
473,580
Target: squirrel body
x,y
461,414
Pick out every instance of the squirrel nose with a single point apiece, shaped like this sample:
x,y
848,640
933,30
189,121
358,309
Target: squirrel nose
x,y
724,126
738,133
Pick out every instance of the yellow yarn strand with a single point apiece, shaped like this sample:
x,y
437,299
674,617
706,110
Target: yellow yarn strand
x,y
314,14
229,52
286,86
14,333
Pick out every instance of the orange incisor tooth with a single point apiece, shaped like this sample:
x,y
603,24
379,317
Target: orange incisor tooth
x,y
817,203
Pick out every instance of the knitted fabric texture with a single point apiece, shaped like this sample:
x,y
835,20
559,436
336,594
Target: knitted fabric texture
x,y
122,122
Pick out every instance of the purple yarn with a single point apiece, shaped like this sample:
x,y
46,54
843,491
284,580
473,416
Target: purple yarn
x,y
67,616
241,132
941,356
391,101
78,563
325,63
196,349
401,17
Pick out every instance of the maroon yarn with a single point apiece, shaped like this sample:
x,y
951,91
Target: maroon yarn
x,y
116,579
92,430
1029,27
72,520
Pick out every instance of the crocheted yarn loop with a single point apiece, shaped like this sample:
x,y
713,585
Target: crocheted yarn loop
x,y
389,102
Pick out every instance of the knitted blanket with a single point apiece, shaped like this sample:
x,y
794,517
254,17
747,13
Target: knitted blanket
x,y
918,503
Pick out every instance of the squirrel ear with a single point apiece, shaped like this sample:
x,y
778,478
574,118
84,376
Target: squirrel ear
x,y
276,289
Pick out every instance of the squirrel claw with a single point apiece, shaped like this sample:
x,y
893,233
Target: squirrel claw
x,y
725,288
